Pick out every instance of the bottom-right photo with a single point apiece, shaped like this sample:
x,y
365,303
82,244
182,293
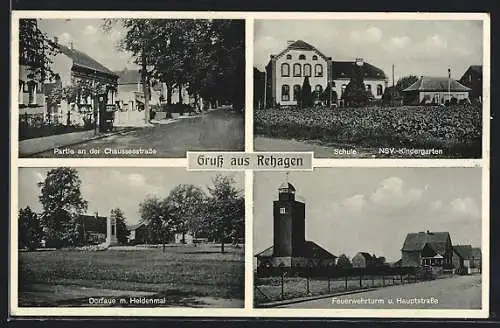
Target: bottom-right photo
x,y
368,238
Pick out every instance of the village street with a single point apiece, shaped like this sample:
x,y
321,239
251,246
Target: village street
x,y
459,292
218,130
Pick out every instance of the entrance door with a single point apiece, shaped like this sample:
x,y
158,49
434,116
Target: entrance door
x,y
102,100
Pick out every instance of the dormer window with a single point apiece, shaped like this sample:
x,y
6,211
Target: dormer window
x,y
302,57
288,56
315,57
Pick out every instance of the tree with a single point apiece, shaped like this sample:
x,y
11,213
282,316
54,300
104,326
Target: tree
x,y
306,96
30,230
405,81
35,50
355,93
159,217
343,262
186,202
62,203
122,232
224,211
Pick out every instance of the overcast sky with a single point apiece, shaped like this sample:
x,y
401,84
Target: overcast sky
x,y
414,47
88,36
126,188
349,210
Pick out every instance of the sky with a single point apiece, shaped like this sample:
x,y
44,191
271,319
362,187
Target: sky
x,y
88,36
126,188
349,210
414,47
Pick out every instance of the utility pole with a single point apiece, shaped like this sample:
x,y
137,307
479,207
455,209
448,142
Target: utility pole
x,y
393,84
449,85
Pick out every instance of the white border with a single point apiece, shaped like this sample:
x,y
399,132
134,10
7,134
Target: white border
x,y
248,311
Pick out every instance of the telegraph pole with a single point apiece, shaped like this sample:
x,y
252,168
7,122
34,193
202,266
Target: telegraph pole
x,y
393,84
449,85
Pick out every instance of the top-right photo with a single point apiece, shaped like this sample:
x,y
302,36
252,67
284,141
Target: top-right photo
x,y
369,88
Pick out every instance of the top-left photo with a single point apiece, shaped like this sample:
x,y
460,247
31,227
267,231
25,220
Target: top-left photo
x,y
140,88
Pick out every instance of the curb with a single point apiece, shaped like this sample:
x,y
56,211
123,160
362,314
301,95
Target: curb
x,y
311,298
125,130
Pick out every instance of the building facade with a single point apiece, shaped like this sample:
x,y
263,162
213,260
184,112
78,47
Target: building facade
x,y
290,250
435,90
473,79
285,74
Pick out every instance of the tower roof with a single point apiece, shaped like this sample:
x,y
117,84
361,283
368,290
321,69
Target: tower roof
x,y
287,185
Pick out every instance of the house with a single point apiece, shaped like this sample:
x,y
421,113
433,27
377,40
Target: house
x,y
183,238
427,248
258,88
473,79
290,250
285,74
435,90
91,86
138,233
462,258
476,259
363,260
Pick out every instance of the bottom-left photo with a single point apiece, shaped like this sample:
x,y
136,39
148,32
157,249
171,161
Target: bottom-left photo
x,y
130,237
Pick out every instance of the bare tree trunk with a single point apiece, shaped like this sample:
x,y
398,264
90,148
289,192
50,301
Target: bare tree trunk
x,y
169,93
179,86
145,87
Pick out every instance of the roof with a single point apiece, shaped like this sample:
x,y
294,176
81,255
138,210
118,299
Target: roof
x,y
476,252
128,76
310,250
429,83
93,224
135,226
83,60
476,68
302,45
344,69
417,241
367,256
464,251
287,185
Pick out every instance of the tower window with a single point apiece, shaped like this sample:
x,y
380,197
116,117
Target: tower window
x,y
302,57
282,210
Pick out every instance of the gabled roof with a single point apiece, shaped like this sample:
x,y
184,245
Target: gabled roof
x,y
344,70
464,251
302,45
476,252
135,226
287,185
417,241
430,83
128,76
91,223
476,68
310,250
83,60
367,256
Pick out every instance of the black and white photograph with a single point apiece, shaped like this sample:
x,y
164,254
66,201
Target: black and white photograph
x,y
368,238
369,88
130,237
130,87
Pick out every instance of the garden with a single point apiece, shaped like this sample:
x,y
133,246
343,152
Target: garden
x,y
456,129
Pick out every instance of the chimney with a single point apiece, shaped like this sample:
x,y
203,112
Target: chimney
x,y
71,45
289,42
56,40
359,61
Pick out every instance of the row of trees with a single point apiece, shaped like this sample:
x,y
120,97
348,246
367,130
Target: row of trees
x,y
218,214
207,56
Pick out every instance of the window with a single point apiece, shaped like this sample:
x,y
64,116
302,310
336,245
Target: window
x,y
307,70
302,57
288,56
31,93
297,70
282,210
343,88
296,92
285,69
368,87
318,70
285,92
315,57
379,89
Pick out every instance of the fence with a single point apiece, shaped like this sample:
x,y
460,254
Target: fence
x,y
287,284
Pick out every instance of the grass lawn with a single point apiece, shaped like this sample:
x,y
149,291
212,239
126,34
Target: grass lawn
x,y
179,272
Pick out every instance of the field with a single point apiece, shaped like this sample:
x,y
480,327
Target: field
x,y
183,275
456,130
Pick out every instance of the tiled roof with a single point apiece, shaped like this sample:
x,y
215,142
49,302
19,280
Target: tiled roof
x,y
310,250
300,45
83,60
476,252
465,251
429,83
344,70
367,256
417,241
128,76
135,226
287,185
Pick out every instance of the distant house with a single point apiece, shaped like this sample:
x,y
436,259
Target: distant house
x,y
138,233
435,90
183,238
476,259
462,258
363,260
427,248
94,228
473,78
